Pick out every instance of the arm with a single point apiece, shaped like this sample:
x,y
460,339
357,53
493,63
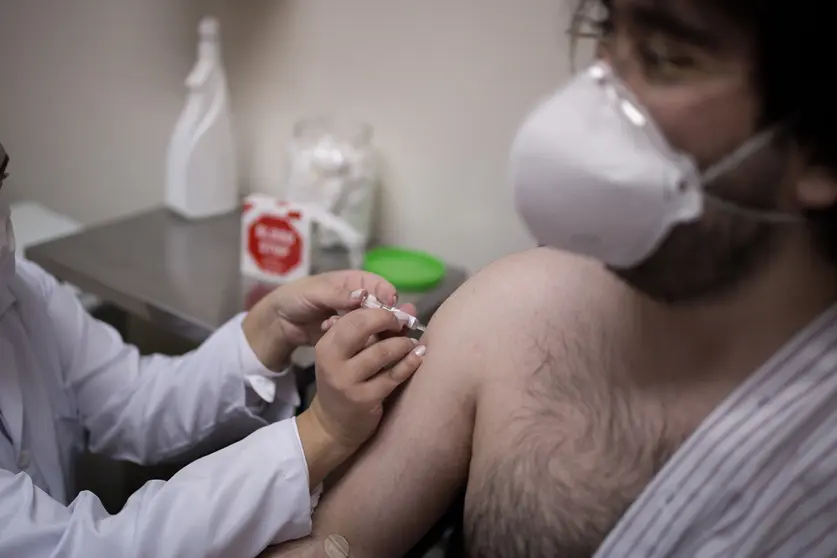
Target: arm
x,y
482,337
480,342
408,475
156,408
232,503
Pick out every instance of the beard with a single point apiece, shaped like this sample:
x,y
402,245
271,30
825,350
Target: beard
x,y
713,257
703,261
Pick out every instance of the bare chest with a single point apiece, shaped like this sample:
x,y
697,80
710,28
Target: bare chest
x,y
558,460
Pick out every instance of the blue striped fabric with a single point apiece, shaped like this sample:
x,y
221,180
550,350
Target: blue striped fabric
x,y
759,476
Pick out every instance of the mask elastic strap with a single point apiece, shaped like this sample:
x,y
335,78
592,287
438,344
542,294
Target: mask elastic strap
x,y
763,215
731,162
737,157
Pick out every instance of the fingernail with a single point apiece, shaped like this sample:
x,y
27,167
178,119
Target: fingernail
x,y
420,351
395,299
415,341
358,294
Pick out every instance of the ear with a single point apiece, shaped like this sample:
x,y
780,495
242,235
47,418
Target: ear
x,y
816,189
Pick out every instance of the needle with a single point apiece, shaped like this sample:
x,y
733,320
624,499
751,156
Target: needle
x,y
371,301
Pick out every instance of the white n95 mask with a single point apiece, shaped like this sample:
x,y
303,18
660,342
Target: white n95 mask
x,y
593,174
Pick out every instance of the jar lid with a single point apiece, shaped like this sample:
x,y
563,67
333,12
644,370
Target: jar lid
x,y
407,270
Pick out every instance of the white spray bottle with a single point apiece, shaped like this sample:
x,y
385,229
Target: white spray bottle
x,y
201,172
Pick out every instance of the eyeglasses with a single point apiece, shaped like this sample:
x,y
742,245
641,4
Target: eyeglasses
x,y
4,164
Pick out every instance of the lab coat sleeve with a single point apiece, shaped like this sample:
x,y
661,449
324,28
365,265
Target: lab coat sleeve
x,y
150,409
234,502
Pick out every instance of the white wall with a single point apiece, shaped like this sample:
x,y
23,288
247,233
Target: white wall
x,y
94,86
89,90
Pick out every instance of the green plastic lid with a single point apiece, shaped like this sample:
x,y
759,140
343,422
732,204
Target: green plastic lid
x,y
407,270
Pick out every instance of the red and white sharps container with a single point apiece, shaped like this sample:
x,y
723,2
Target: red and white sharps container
x,y
277,238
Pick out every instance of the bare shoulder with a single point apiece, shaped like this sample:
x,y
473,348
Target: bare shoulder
x,y
534,282
527,298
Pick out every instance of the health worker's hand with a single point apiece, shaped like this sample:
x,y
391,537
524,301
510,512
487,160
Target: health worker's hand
x,y
359,364
292,315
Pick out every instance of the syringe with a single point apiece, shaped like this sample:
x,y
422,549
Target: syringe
x,y
411,322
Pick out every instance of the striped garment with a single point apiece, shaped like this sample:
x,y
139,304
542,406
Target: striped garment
x,y
759,476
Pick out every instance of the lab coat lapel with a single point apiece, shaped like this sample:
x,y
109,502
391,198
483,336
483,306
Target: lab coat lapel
x,y
11,394
38,368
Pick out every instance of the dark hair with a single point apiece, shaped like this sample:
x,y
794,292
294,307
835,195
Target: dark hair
x,y
794,46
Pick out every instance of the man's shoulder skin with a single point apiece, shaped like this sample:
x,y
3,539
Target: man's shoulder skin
x,y
534,291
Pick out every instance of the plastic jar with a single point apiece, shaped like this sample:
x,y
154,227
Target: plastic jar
x,y
331,162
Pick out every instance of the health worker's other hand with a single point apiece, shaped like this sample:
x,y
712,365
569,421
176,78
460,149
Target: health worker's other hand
x,y
354,377
408,308
292,315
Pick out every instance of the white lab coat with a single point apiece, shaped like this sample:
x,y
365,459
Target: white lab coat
x,y
67,382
